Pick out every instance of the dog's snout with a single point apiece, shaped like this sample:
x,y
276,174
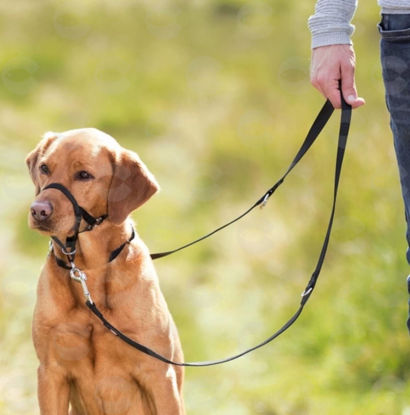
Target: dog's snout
x,y
41,210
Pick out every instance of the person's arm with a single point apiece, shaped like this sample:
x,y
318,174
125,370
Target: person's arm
x,y
333,57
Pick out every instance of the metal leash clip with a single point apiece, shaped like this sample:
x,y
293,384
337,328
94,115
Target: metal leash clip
x,y
79,276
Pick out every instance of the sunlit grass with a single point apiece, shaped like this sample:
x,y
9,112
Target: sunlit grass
x,y
215,98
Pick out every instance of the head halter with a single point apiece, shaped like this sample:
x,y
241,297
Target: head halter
x,y
69,248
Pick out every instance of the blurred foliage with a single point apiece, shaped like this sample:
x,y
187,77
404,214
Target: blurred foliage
x,y
214,95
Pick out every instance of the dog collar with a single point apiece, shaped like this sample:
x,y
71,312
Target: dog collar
x,y
111,257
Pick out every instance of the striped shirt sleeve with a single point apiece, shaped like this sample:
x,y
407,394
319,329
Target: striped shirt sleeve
x,y
330,24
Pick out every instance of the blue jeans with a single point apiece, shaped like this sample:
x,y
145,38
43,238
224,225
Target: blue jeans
x,y
395,58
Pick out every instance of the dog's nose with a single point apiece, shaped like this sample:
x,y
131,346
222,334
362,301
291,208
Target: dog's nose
x,y
41,210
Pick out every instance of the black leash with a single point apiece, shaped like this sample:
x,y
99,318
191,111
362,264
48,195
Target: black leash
x,y
316,128
76,274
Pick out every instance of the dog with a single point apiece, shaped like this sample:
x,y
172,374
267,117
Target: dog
x,y
84,369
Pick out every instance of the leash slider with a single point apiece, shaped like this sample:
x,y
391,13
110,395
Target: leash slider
x,y
265,200
307,292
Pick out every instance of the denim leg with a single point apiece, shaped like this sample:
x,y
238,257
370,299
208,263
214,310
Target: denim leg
x,y
408,289
395,59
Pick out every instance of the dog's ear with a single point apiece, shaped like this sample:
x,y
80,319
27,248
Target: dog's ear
x,y
33,157
131,186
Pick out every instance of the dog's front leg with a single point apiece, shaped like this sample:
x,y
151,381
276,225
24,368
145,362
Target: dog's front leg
x,y
53,391
166,394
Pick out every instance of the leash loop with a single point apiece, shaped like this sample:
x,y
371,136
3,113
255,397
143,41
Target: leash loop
x,y
314,131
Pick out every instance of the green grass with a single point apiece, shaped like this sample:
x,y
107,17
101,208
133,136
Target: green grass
x,y
215,98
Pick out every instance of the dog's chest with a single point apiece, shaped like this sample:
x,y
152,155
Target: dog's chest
x,y
68,330
80,343
103,371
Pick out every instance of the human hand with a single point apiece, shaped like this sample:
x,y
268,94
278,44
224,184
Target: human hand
x,y
331,64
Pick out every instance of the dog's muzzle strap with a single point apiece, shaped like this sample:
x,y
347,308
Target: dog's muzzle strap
x,y
79,212
69,248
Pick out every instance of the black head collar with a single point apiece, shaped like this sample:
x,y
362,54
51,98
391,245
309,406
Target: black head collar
x,y
80,213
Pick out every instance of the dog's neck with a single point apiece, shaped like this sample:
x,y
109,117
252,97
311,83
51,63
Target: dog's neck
x,y
92,246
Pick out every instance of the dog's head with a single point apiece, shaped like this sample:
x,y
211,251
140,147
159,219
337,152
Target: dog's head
x,y
103,177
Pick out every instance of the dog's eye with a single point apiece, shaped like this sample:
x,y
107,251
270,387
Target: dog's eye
x,y
83,175
44,169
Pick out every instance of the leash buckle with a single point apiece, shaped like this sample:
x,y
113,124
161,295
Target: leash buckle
x,y
77,275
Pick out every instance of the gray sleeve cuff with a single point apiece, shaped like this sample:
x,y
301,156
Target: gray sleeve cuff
x,y
330,38
330,24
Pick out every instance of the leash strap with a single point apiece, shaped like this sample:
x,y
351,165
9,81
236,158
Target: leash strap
x,y
316,128
117,251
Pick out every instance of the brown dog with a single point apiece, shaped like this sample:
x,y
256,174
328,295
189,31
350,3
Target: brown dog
x,y
82,365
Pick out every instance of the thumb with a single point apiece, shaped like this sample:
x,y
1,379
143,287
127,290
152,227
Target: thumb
x,y
350,96
349,88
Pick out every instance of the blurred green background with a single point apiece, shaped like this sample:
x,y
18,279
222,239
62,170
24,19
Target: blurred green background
x,y
215,97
